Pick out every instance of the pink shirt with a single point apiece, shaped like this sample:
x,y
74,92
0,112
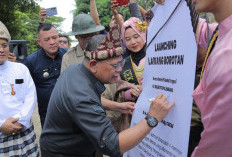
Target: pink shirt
x,y
214,94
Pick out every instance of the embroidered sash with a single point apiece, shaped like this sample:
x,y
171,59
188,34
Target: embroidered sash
x,y
210,48
128,72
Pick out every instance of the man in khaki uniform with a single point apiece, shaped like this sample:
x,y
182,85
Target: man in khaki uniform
x,y
83,28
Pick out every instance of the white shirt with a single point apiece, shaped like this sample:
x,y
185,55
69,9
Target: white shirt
x,y
15,77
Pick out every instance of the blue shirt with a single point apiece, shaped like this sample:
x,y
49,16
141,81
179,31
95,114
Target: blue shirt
x,y
44,71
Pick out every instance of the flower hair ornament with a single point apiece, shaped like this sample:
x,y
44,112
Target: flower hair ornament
x,y
142,26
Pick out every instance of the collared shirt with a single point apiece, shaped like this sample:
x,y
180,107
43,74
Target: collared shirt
x,y
73,55
45,72
17,93
76,124
213,94
76,55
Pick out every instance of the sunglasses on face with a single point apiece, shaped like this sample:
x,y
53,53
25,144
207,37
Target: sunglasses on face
x,y
63,41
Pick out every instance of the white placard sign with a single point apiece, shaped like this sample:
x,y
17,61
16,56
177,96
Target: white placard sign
x,y
169,69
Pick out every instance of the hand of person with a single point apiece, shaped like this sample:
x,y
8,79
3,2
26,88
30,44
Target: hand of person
x,y
12,57
135,92
114,6
18,124
127,107
42,15
159,107
11,126
160,1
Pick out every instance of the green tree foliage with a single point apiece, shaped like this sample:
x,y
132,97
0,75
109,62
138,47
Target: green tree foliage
x,y
146,4
22,20
82,6
104,13
8,8
104,10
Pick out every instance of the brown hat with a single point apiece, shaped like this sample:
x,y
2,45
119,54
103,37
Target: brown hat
x,y
4,34
110,47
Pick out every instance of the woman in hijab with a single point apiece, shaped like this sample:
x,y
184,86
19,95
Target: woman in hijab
x,y
134,36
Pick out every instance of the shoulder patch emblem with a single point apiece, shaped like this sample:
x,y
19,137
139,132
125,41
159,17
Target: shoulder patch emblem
x,y
97,108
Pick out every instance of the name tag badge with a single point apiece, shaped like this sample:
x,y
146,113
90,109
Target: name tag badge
x,y
45,74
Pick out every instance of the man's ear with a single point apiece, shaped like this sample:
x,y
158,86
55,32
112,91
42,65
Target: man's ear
x,y
93,65
38,41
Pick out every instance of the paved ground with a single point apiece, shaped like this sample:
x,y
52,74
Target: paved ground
x,y
37,124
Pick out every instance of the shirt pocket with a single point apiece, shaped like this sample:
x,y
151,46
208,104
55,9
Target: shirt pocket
x,y
13,92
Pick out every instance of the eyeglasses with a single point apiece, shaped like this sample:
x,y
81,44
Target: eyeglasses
x,y
4,46
118,65
63,41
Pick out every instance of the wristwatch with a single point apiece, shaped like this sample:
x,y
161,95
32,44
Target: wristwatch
x,y
151,121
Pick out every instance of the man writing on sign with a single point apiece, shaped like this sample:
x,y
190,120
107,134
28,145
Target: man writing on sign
x,y
76,123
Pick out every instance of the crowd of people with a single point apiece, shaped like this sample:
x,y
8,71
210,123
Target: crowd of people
x,y
86,94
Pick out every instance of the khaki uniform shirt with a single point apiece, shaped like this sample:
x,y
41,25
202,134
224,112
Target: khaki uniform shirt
x,y
72,56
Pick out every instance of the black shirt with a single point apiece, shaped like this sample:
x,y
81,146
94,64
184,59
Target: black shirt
x,y
76,123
